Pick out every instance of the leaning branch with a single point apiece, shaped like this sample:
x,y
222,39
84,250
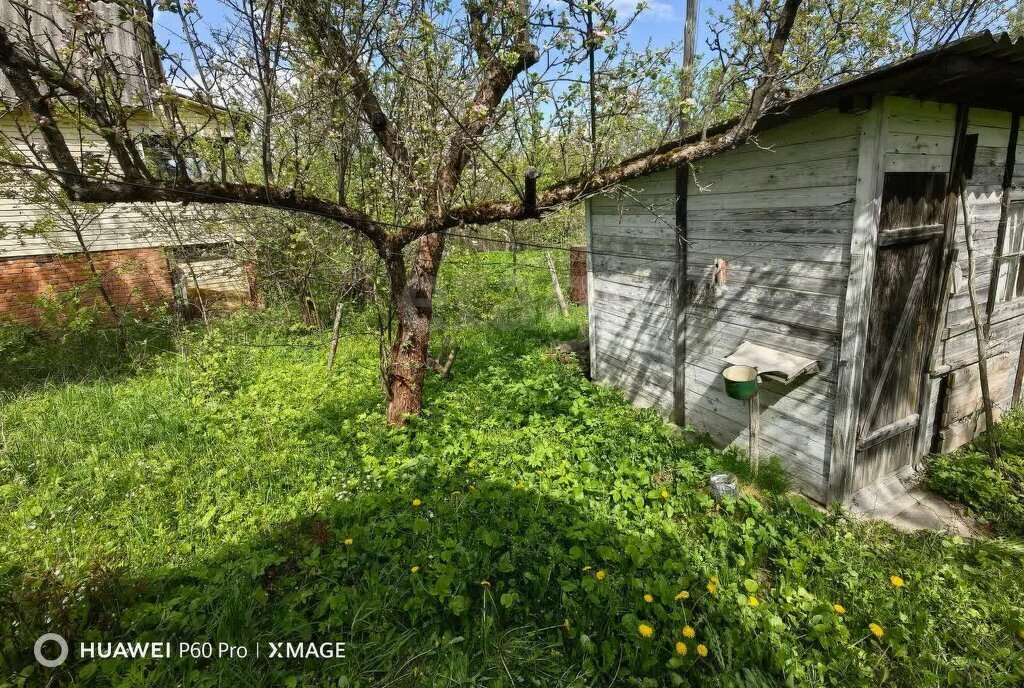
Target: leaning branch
x,y
333,46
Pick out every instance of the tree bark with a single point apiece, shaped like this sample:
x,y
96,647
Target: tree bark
x,y
413,300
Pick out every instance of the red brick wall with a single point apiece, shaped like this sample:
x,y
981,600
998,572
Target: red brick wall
x,y
135,279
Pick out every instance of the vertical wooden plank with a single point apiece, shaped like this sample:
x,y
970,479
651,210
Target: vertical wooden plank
x,y
679,300
591,313
1004,208
854,324
932,393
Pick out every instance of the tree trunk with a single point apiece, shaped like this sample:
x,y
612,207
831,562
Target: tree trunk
x,y
413,300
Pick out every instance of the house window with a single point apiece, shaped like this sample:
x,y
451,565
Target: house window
x,y
1011,258
171,161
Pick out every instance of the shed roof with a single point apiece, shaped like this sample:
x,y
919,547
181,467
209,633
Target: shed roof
x,y
983,70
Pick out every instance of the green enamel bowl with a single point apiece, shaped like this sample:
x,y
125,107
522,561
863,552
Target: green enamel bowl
x,y
740,381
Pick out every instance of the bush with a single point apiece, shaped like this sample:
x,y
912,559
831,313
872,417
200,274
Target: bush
x,y
993,493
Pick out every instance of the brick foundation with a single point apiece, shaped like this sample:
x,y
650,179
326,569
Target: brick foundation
x,y
136,279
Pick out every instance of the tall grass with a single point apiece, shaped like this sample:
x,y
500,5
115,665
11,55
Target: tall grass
x,y
508,536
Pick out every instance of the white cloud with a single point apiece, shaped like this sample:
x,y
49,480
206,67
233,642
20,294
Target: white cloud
x,y
652,8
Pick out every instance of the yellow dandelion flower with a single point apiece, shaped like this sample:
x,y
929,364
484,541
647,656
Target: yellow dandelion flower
x,y
485,583
600,575
702,650
840,609
664,494
876,630
587,568
415,569
646,630
1020,634
681,648
349,541
648,598
896,581
712,588
753,601
714,579
688,632
683,595
416,502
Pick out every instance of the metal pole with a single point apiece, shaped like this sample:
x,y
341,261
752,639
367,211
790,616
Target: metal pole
x,y
753,450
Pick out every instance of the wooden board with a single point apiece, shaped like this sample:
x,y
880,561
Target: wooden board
x,y
902,315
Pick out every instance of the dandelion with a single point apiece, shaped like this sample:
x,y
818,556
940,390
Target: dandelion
x,y
896,581
702,650
600,575
416,502
415,569
840,609
349,541
683,595
753,601
714,579
712,588
664,494
688,632
485,583
646,630
587,568
1020,634
876,630
681,648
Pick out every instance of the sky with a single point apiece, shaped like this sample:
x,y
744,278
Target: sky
x,y
661,22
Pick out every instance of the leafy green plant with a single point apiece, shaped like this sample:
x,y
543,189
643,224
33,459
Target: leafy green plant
x,y
530,528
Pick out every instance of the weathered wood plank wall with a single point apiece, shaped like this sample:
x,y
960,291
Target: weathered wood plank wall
x,y
632,264
779,211
920,136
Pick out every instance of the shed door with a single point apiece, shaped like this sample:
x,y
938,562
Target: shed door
x,y
903,307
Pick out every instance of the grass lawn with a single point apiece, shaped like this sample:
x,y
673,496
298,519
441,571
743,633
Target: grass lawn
x,y
530,529
994,493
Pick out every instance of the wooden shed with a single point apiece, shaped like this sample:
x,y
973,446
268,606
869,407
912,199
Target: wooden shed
x,y
836,235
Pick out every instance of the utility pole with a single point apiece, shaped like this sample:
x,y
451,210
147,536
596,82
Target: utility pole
x,y
686,82
591,43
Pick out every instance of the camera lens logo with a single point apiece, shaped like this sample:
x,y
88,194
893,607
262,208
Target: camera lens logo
x,y
56,661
